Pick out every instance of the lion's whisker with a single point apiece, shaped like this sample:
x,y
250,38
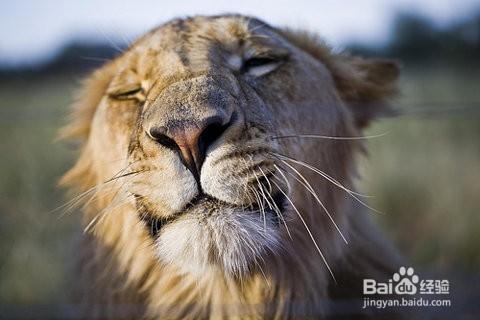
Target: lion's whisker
x,y
75,202
256,36
276,208
308,231
270,206
353,194
287,183
256,194
99,193
126,175
102,192
270,189
321,173
310,189
257,27
113,44
105,211
262,191
262,201
246,184
70,205
317,136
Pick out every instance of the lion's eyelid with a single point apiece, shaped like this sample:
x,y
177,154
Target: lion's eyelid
x,y
125,94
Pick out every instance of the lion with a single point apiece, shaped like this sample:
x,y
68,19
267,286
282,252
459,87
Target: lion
x,y
217,170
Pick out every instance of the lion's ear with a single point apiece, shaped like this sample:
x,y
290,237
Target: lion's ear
x,y
365,85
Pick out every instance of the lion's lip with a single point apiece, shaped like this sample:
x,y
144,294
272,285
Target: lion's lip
x,y
154,223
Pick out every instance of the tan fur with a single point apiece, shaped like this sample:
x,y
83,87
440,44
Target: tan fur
x,y
218,259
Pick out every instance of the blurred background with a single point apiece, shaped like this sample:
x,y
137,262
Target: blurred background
x,y
424,174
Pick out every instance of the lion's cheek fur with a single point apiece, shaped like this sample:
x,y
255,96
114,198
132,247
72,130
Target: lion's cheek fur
x,y
229,242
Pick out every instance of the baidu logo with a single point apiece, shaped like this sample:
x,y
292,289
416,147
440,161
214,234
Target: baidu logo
x,y
405,282
405,289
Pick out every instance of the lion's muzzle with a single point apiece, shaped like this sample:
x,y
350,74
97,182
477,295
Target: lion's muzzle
x,y
188,117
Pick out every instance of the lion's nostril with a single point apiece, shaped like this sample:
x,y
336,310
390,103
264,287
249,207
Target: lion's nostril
x,y
159,135
210,134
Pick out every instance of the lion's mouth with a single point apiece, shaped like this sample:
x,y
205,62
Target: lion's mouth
x,y
208,205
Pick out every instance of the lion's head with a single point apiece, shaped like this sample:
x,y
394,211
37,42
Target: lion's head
x,y
216,146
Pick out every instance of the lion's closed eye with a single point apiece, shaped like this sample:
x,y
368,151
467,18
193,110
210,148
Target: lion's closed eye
x,y
126,93
126,85
261,65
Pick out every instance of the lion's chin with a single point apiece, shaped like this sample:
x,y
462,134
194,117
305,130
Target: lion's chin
x,y
230,241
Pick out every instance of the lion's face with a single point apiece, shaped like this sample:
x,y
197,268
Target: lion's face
x,y
191,126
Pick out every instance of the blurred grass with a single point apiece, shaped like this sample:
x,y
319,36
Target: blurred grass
x,y
34,242
424,175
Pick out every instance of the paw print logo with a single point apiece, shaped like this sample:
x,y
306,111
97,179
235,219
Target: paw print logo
x,y
406,281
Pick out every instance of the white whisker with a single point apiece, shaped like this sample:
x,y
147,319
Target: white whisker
x,y
262,201
353,194
310,189
276,208
308,231
316,136
73,203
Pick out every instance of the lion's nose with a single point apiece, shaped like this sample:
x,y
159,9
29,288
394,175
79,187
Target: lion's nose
x,y
190,139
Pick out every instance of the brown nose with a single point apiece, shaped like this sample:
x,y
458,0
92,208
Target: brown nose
x,y
190,139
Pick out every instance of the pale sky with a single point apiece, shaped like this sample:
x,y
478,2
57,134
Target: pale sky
x,y
33,29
